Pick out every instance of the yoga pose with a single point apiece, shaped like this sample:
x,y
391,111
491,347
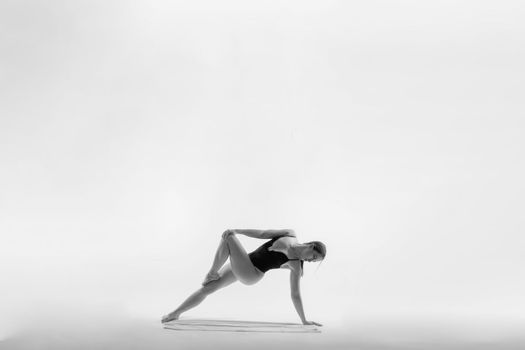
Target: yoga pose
x,y
281,251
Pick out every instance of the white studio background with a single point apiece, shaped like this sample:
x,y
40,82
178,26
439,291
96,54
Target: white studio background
x,y
133,133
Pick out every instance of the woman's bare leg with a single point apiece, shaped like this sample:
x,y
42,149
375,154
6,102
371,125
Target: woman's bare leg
x,y
240,261
239,268
226,278
220,258
241,264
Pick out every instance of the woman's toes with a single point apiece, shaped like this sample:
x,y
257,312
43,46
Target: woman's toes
x,y
169,317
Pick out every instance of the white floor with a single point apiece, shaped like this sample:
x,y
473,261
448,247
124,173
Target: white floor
x,y
150,334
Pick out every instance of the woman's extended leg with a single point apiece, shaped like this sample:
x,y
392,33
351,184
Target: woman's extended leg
x,y
226,278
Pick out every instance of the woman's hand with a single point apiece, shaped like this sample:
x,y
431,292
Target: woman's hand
x,y
227,233
311,323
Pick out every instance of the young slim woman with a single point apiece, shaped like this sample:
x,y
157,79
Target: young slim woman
x,y
281,251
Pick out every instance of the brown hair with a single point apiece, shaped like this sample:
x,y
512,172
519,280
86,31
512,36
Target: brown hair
x,y
319,247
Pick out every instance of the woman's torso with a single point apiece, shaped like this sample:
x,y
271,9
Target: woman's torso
x,y
274,254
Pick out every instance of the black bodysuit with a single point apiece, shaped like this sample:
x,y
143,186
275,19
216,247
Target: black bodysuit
x,y
265,259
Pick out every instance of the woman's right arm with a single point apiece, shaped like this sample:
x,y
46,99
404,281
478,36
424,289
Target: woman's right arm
x,y
295,293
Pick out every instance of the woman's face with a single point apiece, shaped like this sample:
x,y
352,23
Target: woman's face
x,y
312,255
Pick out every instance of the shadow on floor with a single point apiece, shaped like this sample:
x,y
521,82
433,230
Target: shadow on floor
x,y
239,326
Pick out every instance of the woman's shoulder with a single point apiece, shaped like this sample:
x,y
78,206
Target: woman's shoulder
x,y
283,242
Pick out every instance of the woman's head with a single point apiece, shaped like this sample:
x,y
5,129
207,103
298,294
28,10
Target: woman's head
x,y
316,251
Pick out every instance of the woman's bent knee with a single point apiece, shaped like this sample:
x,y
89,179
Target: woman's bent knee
x,y
226,234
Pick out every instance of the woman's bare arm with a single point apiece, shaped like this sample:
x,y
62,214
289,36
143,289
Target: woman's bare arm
x,y
264,234
295,293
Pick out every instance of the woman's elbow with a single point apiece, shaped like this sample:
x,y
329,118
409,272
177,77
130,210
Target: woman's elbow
x,y
290,233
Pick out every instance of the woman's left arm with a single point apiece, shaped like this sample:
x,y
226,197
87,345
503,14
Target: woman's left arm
x,y
264,234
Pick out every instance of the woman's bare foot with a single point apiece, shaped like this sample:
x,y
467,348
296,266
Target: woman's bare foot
x,y
170,317
211,276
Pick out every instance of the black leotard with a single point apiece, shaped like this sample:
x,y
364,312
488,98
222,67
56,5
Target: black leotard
x,y
265,259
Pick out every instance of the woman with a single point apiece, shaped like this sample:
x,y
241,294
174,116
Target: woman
x,y
281,251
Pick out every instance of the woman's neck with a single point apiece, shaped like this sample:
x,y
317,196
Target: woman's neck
x,y
295,251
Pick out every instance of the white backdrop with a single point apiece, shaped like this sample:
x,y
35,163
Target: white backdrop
x,y
133,134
